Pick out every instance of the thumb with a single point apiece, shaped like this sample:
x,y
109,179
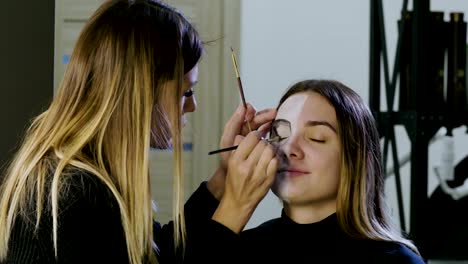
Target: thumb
x,y
233,126
264,129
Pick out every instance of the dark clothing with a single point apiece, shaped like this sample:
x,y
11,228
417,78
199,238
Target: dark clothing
x,y
207,240
90,231
283,241
90,228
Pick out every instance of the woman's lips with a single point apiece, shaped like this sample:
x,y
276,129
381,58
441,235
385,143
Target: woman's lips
x,y
292,172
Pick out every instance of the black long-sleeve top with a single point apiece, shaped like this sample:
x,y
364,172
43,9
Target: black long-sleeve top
x,y
281,240
89,228
90,231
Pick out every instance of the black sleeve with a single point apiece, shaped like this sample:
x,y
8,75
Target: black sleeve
x,y
207,240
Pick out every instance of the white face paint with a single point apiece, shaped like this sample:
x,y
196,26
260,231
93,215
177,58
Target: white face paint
x,y
309,172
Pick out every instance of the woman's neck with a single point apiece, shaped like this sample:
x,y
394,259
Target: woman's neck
x,y
309,213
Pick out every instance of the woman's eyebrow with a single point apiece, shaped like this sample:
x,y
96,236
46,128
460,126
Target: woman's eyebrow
x,y
320,123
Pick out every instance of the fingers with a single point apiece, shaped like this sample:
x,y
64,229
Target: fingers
x,y
271,170
264,129
238,139
246,146
263,117
225,155
256,153
259,119
259,160
264,166
264,172
250,174
245,119
233,127
250,112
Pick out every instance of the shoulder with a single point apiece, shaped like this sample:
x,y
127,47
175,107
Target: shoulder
x,y
80,180
89,220
88,223
83,186
82,194
394,252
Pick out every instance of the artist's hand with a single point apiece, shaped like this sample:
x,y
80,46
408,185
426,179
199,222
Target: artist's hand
x,y
251,171
234,130
238,126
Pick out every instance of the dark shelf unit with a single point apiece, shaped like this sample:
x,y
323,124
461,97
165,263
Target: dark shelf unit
x,y
421,125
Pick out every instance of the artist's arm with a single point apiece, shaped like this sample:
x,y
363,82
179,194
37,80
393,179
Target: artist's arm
x,y
243,178
218,210
235,129
207,240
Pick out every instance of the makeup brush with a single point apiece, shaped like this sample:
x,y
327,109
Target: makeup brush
x,y
239,83
270,140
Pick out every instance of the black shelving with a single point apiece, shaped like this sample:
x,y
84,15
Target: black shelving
x,y
420,123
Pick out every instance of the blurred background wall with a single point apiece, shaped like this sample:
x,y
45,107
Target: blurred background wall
x,y
26,67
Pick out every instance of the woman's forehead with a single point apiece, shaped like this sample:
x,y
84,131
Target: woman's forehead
x,y
307,106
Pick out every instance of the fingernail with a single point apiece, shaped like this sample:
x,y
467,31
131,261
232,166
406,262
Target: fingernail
x,y
258,134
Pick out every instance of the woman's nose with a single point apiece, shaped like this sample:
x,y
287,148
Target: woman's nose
x,y
190,104
292,147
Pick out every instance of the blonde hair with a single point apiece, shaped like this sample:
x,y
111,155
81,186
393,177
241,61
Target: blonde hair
x,y
361,209
100,121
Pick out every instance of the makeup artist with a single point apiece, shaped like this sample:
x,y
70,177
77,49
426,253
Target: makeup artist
x,y
78,189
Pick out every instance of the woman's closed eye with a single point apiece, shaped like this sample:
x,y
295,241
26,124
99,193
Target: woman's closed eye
x,y
315,135
317,140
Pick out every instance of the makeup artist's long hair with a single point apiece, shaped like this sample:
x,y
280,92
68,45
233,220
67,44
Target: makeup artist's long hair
x,y
111,95
361,208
